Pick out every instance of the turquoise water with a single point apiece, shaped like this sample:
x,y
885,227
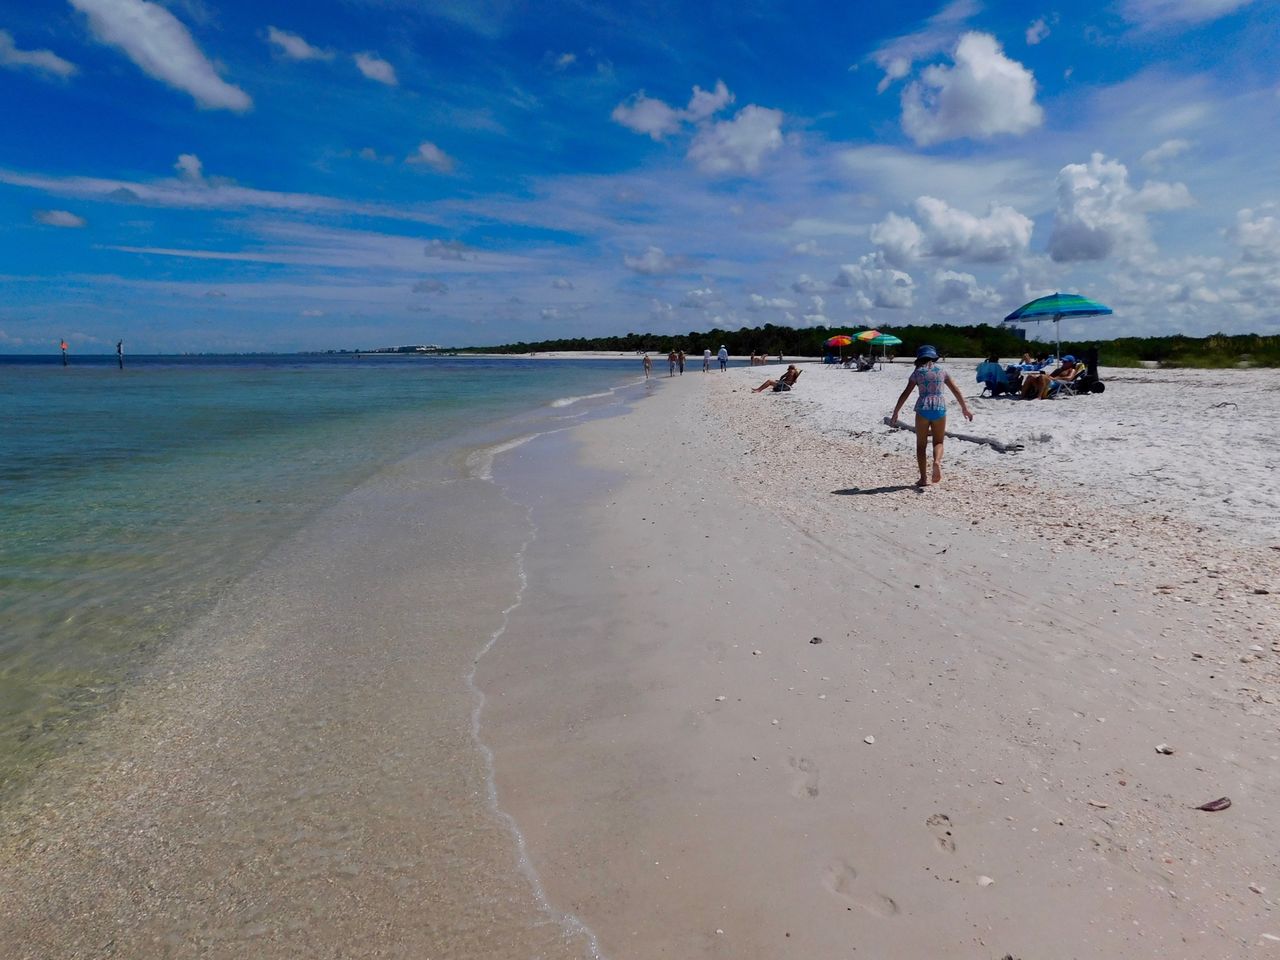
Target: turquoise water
x,y
129,500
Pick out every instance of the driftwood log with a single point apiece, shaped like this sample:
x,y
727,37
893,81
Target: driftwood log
x,y
970,437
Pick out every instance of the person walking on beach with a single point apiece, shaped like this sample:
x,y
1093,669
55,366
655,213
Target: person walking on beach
x,y
648,366
680,361
64,353
671,364
724,357
120,353
706,359
931,409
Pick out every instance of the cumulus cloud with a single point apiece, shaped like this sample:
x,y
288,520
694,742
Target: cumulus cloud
x,y
706,103
807,284
294,47
438,287
652,262
1157,157
1257,233
737,145
952,288
658,120
429,155
647,115
189,167
562,283
938,33
161,46
375,68
1037,31
58,218
875,284
756,302
1100,213
984,93
699,298
1152,14
43,61
565,61
449,250
549,313
943,231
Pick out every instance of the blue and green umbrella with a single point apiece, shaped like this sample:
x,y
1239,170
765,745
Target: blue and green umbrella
x,y
1056,306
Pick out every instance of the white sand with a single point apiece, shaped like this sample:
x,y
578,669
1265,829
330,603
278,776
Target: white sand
x,y
1199,444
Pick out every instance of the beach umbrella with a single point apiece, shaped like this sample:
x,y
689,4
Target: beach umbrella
x,y
866,335
839,342
885,341
1056,306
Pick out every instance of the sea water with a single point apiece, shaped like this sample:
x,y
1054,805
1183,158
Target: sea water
x,y
130,500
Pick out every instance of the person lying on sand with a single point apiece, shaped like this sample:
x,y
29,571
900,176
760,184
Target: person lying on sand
x,y
783,383
931,409
1038,384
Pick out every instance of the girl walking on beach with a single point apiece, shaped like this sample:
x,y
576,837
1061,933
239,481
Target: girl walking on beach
x,y
931,409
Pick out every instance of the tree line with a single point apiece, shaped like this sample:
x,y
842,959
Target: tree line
x,y
981,340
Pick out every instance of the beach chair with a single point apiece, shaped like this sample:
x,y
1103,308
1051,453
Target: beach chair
x,y
994,379
1087,381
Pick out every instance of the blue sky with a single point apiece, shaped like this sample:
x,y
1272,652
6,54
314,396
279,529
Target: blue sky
x,y
218,175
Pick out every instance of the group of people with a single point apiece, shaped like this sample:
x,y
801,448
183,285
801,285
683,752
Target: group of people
x,y
1028,379
676,359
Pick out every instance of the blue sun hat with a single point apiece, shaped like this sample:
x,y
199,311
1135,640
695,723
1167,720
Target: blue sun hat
x,y
926,353
1068,359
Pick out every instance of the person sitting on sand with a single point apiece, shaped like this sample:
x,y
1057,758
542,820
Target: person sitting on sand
x,y
783,383
1039,384
931,409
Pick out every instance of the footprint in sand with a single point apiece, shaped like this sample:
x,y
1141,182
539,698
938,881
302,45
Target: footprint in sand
x,y
806,782
940,825
842,880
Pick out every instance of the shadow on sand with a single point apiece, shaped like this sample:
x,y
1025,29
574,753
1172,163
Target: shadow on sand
x,y
869,491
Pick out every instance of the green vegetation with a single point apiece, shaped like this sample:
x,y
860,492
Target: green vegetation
x,y
1218,350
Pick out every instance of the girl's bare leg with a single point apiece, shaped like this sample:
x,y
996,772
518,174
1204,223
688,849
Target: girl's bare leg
x,y
922,444
939,429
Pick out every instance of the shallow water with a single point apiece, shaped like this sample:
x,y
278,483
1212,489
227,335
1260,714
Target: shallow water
x,y
131,500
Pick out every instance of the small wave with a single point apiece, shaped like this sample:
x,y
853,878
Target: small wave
x,y
566,401
480,462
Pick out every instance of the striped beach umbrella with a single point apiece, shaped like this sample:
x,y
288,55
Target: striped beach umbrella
x,y
884,341
839,342
1056,306
866,335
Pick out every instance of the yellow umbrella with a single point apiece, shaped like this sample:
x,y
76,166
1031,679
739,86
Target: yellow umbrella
x,y
867,335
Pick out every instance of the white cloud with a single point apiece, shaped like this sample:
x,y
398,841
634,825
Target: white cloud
x,y
45,61
647,115
1157,157
706,103
658,120
983,94
737,145
375,68
562,283
429,155
943,231
962,289
1151,14
699,299
294,47
875,284
652,262
756,302
155,40
1099,213
190,168
549,313
58,218
565,61
1037,31
1257,233
939,32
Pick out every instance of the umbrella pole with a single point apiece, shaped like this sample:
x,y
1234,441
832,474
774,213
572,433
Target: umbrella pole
x,y
1057,330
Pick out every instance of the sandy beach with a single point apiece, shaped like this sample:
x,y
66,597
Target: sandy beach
x,y
752,696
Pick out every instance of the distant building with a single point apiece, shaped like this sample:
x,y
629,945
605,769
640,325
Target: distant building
x,y
411,348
